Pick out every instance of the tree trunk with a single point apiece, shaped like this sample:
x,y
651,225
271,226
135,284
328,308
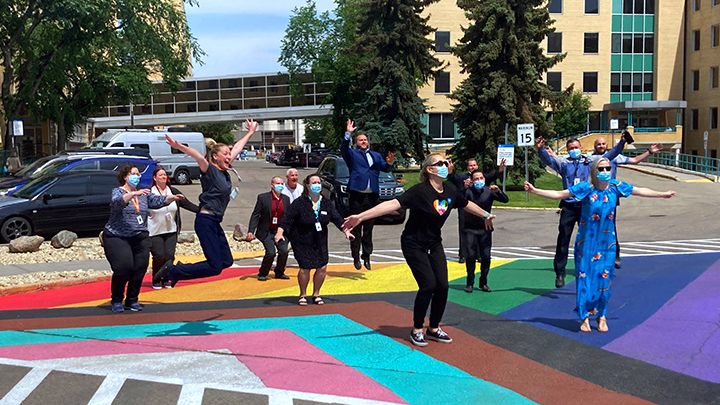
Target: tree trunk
x,y
61,136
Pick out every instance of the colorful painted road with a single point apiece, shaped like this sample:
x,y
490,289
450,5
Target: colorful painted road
x,y
232,339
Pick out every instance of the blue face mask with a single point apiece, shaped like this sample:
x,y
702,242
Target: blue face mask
x,y
442,172
134,180
316,188
574,153
278,188
604,176
479,184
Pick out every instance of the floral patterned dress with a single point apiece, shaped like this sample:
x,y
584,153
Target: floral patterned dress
x,y
595,245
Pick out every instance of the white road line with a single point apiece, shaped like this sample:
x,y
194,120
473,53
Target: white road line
x,y
624,247
27,385
533,250
400,259
191,394
684,246
341,257
107,391
504,252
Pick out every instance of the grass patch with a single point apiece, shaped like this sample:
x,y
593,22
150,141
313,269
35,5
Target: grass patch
x,y
514,191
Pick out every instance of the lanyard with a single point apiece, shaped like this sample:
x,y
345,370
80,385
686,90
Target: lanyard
x,y
316,211
134,200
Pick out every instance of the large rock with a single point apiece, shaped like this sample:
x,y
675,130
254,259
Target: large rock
x,y
186,238
240,232
63,239
26,244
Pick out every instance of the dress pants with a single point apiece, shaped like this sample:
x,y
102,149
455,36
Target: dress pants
x,y
162,248
478,244
429,267
128,257
215,247
360,202
569,216
282,254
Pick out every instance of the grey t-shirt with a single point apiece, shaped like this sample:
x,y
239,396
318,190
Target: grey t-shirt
x,y
216,186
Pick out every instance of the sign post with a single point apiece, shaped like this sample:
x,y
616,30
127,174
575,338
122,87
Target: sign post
x,y
504,171
18,130
307,149
613,126
705,139
526,137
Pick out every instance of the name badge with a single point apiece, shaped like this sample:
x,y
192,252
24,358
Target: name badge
x,y
577,181
318,227
274,221
139,219
168,216
323,212
234,193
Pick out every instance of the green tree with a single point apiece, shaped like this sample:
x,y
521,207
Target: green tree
x,y
571,111
501,54
220,131
65,59
398,59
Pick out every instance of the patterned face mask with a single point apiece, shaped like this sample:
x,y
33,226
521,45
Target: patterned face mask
x,y
479,184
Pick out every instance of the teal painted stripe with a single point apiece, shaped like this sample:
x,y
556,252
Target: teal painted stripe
x,y
410,374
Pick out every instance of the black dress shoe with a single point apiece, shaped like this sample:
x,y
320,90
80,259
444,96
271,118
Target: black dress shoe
x,y
357,264
468,288
617,264
366,262
461,260
485,288
559,281
282,276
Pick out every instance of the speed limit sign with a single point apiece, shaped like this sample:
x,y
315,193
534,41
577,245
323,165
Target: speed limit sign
x,y
526,134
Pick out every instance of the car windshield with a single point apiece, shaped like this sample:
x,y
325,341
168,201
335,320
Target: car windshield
x,y
31,189
52,168
98,144
386,176
342,169
29,169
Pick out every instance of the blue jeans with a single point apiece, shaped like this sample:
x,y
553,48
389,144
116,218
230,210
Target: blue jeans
x,y
214,246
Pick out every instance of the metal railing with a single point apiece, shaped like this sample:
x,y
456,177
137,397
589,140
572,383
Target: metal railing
x,y
694,163
653,130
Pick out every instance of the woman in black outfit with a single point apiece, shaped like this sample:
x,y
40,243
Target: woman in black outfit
x,y
429,203
306,223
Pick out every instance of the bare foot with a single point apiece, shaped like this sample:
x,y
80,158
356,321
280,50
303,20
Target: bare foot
x,y
602,324
585,325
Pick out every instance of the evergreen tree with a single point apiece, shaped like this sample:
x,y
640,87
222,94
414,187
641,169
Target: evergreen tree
x,y
397,59
500,51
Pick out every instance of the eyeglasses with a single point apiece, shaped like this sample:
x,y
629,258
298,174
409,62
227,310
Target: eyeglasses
x,y
604,168
441,163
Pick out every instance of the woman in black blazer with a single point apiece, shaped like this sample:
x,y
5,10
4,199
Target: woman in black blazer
x,y
306,223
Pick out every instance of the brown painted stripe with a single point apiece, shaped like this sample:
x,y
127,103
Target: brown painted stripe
x,y
222,397
10,376
134,392
60,387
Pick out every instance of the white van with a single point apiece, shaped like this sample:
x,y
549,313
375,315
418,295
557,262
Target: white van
x,y
180,168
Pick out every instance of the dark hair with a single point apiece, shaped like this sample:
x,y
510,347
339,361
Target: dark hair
x,y
476,171
306,182
157,169
124,171
571,140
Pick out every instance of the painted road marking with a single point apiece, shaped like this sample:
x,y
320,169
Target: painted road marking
x,y
26,386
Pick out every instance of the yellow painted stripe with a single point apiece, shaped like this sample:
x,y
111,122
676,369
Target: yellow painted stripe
x,y
698,181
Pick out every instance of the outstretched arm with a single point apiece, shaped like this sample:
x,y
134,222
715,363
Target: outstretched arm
x,y
199,158
239,145
552,194
616,150
646,192
639,158
475,209
377,211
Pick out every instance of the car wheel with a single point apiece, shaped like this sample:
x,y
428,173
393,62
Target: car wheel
x,y
15,227
182,176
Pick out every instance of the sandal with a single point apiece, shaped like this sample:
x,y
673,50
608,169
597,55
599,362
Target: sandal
x,y
302,301
318,301
602,324
585,326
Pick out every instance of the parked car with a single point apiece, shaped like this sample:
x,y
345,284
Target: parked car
x,y
334,174
289,157
314,158
61,201
74,162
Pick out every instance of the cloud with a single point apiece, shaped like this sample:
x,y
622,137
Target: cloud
x,y
254,7
257,52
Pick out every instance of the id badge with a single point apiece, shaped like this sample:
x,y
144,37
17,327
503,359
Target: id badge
x,y
318,227
139,219
168,216
577,181
234,193
274,221
323,212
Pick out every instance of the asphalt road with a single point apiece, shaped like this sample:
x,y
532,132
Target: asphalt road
x,y
689,215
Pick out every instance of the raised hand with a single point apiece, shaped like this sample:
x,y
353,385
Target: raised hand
x,y
251,125
656,147
502,166
539,142
494,188
390,158
173,143
467,182
350,126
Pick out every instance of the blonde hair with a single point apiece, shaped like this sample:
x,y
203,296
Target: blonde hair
x,y
213,148
594,171
424,177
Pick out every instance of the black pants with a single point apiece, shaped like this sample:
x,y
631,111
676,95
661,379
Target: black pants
x,y
463,248
128,259
429,267
282,250
569,216
478,243
360,202
162,248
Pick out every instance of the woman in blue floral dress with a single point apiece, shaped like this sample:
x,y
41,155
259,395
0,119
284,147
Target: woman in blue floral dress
x,y
595,241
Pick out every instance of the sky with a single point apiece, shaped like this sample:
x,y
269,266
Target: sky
x,y
242,36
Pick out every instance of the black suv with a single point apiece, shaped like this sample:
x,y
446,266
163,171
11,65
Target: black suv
x,y
334,173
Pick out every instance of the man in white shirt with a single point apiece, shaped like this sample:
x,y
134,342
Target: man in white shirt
x,y
292,190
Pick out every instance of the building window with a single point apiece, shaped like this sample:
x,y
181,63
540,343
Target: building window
x,y
191,108
715,36
554,80
232,83
639,6
638,43
713,118
189,85
554,42
442,83
637,83
716,2
592,7
615,82
212,84
696,40
441,125
626,83
442,41
648,82
169,108
616,46
213,107
555,6
695,80
650,7
591,42
714,77
694,119
590,82
696,5
627,43
627,6
122,110
649,43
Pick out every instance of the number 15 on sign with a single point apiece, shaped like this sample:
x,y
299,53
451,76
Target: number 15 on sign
x,y
526,134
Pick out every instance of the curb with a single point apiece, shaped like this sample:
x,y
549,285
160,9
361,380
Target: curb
x,y
651,172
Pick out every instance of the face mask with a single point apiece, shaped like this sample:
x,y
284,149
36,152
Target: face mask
x,y
315,188
134,180
442,172
479,184
574,153
604,176
278,188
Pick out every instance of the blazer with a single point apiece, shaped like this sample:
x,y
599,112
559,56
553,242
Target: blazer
x,y
360,171
262,214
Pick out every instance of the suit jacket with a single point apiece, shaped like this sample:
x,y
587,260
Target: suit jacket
x,y
262,214
360,171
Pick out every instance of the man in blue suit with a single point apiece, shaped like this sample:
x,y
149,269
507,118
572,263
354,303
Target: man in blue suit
x,y
363,188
